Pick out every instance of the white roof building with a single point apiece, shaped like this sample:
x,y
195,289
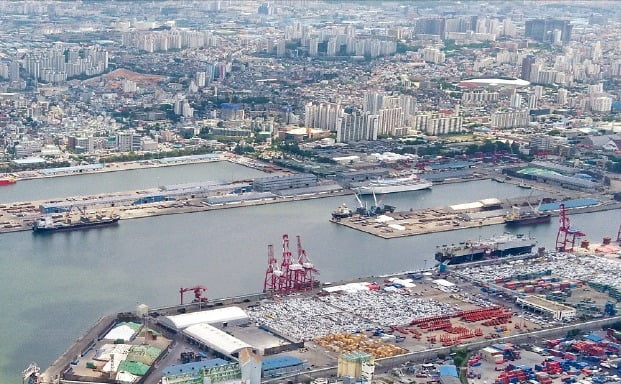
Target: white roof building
x,y
217,317
122,332
215,339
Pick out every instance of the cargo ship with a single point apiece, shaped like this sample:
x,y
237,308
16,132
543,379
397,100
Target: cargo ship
x,y
531,216
7,181
394,184
497,246
527,218
47,224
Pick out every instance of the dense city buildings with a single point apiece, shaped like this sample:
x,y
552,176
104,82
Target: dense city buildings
x,y
105,82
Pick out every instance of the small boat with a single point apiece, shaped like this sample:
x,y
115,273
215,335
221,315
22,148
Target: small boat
x,y
498,179
7,181
524,185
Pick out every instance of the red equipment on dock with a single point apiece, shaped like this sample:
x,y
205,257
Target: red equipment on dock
x,y
293,274
198,293
566,236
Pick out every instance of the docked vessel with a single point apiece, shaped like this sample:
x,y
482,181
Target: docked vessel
x,y
527,218
394,184
7,180
49,224
497,246
342,212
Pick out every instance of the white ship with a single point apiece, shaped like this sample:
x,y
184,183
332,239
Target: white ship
x,y
394,184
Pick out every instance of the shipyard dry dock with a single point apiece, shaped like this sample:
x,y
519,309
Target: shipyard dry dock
x,y
389,225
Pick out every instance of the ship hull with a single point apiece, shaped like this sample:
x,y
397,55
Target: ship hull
x,y
529,220
480,251
368,190
478,256
341,215
7,182
76,226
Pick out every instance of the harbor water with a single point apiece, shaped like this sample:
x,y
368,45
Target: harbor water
x,y
53,287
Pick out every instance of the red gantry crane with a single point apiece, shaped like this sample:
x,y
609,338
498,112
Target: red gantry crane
x,y
566,236
198,293
309,269
292,274
273,274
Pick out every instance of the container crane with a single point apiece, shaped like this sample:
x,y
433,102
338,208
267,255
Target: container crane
x,y
198,293
273,274
286,283
566,236
309,269
293,274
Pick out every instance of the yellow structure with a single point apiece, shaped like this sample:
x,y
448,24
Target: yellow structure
x,y
359,365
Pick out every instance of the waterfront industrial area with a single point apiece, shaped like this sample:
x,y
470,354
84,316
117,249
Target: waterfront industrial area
x,y
300,328
282,185
497,307
336,192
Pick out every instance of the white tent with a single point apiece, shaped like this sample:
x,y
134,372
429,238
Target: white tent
x,y
121,332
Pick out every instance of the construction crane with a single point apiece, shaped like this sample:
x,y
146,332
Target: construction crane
x,y
566,236
198,293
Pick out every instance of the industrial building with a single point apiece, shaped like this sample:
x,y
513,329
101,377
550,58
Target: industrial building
x,y
247,371
194,372
276,183
551,308
358,365
552,177
166,193
210,338
221,317
448,375
346,178
280,365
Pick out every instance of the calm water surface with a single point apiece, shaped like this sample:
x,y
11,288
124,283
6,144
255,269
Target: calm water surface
x,y
54,287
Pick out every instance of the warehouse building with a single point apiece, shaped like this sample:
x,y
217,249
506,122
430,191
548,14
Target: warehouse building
x,y
210,338
276,183
281,365
556,310
221,318
245,371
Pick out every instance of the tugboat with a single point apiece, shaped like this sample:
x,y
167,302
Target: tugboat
x,y
342,212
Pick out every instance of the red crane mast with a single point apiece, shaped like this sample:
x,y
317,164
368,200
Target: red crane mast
x,y
294,274
309,269
566,236
286,283
273,274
